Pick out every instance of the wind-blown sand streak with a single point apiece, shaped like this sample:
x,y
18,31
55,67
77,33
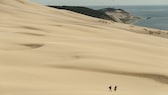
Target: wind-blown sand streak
x,y
31,34
157,77
33,45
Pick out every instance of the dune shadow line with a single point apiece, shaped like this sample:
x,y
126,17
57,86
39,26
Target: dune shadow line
x,y
156,77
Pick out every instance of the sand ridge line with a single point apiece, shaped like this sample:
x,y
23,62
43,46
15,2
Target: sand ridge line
x,y
30,34
156,77
30,28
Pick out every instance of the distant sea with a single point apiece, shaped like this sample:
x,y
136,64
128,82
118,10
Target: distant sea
x,y
158,15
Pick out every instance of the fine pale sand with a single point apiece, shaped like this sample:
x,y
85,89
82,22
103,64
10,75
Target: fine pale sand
x,y
45,51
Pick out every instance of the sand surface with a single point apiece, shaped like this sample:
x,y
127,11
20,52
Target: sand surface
x,y
44,51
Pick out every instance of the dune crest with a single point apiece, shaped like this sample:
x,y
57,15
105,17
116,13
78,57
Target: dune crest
x,y
47,51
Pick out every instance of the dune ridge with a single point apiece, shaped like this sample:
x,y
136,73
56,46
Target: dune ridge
x,y
47,51
156,77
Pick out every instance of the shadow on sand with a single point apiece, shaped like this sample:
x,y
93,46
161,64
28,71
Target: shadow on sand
x,y
156,77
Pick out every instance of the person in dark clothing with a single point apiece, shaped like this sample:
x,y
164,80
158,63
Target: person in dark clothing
x,y
110,88
115,88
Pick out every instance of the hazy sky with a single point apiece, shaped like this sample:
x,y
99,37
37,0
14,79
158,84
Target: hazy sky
x,y
103,2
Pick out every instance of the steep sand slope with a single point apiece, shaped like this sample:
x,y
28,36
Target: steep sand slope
x,y
46,51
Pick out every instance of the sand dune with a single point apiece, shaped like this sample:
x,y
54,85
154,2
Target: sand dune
x,y
45,51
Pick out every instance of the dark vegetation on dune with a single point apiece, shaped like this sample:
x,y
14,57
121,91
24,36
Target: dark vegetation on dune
x,y
117,15
85,11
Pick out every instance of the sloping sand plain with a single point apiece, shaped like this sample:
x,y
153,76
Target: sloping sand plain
x,y
44,51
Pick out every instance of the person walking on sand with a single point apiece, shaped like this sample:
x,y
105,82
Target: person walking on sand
x,y
110,88
115,88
